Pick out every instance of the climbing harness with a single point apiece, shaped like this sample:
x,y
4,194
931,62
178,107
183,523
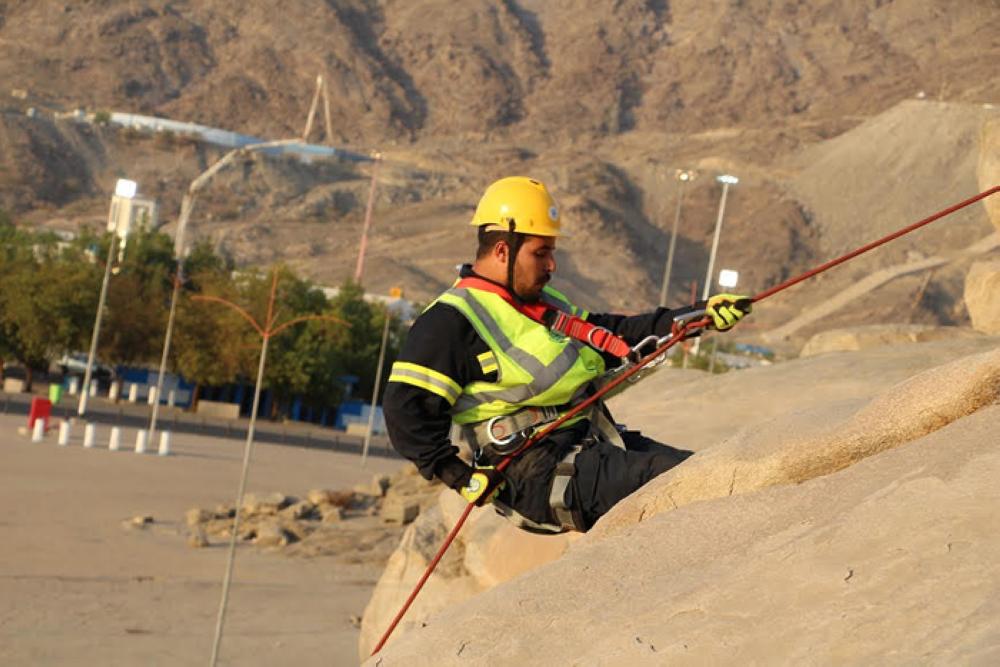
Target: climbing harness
x,y
682,328
549,315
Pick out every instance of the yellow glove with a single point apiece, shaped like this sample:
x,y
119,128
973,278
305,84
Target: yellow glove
x,y
727,309
483,486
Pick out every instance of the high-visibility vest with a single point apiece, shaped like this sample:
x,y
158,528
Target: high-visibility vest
x,y
535,366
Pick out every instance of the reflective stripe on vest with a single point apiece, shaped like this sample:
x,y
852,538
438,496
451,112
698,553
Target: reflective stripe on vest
x,y
425,378
536,367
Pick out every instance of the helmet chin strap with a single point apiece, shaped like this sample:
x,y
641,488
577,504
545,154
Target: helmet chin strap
x,y
514,241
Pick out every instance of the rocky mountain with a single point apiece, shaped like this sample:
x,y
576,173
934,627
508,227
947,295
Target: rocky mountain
x,y
603,100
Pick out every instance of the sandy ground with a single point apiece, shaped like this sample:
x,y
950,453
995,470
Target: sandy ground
x,y
79,587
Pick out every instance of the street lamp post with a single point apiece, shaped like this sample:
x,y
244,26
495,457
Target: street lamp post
x,y
180,250
683,176
118,224
726,180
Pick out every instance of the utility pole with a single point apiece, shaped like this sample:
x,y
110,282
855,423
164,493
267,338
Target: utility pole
x,y
683,176
363,244
321,89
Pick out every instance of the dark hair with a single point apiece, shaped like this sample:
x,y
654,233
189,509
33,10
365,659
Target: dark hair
x,y
488,239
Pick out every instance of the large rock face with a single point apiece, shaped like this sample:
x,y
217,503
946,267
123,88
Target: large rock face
x,y
988,169
982,296
797,539
798,447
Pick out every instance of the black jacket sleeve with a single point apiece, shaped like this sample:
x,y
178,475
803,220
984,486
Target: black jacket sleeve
x,y
419,420
633,328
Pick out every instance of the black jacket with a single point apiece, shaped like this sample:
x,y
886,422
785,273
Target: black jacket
x,y
419,421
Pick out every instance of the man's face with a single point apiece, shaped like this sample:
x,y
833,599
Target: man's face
x,y
534,267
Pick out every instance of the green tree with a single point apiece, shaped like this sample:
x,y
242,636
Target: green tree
x,y
138,298
47,300
295,357
212,344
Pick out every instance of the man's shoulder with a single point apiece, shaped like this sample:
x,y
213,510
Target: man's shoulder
x,y
440,321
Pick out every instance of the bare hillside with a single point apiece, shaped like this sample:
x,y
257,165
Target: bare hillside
x,y
603,100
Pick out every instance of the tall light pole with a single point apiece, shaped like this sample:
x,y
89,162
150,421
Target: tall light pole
x,y
180,250
683,176
726,180
378,382
119,219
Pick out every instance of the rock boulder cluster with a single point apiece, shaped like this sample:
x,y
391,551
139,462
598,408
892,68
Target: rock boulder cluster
x,y
361,523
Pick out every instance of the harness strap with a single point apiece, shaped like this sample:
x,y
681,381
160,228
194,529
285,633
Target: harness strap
x,y
600,338
568,518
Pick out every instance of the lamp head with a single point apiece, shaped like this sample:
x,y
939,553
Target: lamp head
x,y
126,188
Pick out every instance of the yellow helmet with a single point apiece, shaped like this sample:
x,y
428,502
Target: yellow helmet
x,y
525,201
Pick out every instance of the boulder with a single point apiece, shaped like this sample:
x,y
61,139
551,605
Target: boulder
x,y
303,509
878,335
497,551
890,561
320,496
264,503
197,539
988,169
489,550
450,583
270,534
196,515
794,448
400,510
982,295
331,513
380,484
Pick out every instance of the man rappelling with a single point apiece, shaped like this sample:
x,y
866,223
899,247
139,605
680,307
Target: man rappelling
x,y
502,354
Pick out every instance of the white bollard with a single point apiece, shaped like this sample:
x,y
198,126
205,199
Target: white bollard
x,y
172,398
133,392
38,430
115,440
88,435
151,398
164,443
114,390
74,385
93,387
63,433
140,441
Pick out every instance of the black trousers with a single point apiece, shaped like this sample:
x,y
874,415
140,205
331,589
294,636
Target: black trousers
x,y
605,473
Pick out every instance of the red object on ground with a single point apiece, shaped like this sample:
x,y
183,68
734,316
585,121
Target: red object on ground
x,y
41,408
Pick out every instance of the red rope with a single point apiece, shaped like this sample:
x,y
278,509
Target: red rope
x,y
874,244
677,337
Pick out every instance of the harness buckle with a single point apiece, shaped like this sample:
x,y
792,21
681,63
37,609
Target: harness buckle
x,y
598,330
499,442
